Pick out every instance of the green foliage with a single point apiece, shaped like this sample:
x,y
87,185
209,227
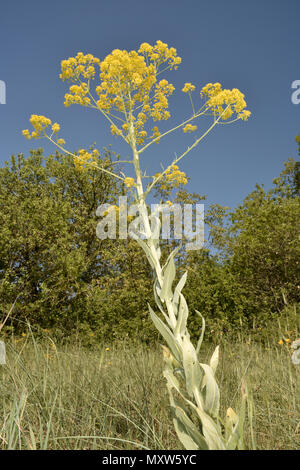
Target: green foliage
x,y
259,260
116,303
70,281
266,251
48,249
211,289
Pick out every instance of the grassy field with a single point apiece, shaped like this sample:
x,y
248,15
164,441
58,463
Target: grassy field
x,y
114,397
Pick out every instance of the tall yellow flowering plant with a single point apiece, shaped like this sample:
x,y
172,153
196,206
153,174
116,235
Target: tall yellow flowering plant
x,y
130,95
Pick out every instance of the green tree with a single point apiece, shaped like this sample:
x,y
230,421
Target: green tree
x,y
48,246
51,258
260,246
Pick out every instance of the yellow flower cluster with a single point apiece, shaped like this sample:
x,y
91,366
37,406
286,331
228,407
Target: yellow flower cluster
x,y
86,159
77,69
189,128
188,87
173,176
77,95
26,134
160,53
225,103
129,182
126,81
55,127
115,130
81,65
40,124
155,134
160,105
287,340
128,78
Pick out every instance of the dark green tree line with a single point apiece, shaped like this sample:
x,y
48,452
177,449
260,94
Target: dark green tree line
x,y
65,278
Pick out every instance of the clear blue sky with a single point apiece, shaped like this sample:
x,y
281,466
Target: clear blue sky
x,y
250,45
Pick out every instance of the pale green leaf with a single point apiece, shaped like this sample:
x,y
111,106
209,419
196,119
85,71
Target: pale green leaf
x,y
166,333
178,289
182,317
212,394
214,361
211,431
202,333
192,369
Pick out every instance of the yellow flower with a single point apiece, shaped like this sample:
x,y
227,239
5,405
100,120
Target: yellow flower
x,y
174,176
188,87
189,128
26,133
287,340
61,141
55,127
110,209
115,130
244,115
280,342
39,123
84,159
155,134
225,102
129,182
126,81
107,349
23,334
145,48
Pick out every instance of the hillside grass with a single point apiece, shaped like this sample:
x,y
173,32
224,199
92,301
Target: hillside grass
x,y
114,396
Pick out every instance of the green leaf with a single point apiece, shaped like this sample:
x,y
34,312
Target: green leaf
x,y
166,333
192,369
183,436
236,438
231,422
202,333
186,430
156,291
214,361
147,252
178,289
212,394
169,272
182,317
155,220
211,431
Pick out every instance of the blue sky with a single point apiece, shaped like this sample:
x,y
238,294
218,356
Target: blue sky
x,y
250,45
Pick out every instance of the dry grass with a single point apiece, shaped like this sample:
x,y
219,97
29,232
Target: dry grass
x,y
72,398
